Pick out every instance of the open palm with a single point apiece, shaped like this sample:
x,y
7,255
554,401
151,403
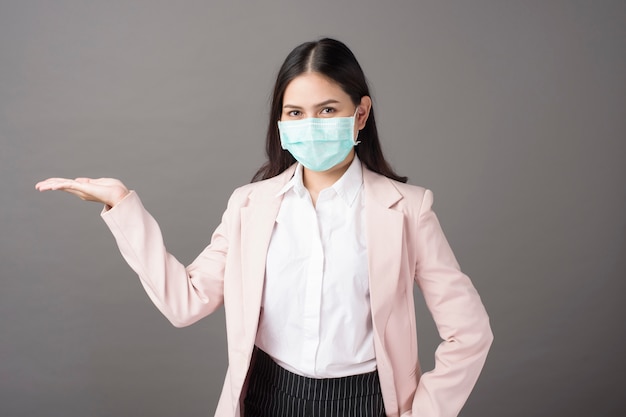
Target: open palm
x,y
108,191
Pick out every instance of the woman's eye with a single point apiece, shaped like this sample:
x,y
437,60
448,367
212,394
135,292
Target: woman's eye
x,y
294,113
328,110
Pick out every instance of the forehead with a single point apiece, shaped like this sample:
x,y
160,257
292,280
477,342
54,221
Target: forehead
x,y
311,88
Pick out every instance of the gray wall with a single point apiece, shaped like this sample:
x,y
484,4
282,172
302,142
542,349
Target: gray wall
x,y
512,112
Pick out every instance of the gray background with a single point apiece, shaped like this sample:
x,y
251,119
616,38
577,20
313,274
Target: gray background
x,y
512,112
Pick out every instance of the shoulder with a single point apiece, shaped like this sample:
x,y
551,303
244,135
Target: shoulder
x,y
261,190
386,188
416,200
410,191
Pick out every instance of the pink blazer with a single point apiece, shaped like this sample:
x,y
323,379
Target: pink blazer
x,y
405,246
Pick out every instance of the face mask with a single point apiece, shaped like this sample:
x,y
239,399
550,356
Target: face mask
x,y
318,144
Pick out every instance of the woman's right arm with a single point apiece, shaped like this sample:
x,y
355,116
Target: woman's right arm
x,y
183,294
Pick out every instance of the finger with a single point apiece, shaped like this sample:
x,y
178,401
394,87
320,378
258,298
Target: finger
x,y
49,181
61,185
49,184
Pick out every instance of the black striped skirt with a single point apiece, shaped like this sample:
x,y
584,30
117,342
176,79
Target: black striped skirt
x,y
275,392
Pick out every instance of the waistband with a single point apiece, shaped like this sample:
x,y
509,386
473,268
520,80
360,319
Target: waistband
x,y
313,389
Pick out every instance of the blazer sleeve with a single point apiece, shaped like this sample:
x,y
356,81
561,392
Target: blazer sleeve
x,y
459,315
183,294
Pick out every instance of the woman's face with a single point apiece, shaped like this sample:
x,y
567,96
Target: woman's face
x,y
313,95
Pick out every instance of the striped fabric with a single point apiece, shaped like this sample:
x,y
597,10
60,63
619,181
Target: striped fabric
x,y
275,392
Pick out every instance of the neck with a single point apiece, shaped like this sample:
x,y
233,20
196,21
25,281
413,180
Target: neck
x,y
316,181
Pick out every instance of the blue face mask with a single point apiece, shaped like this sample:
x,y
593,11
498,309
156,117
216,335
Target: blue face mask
x,y
318,144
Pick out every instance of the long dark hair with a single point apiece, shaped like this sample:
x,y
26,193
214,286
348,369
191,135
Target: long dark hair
x,y
334,60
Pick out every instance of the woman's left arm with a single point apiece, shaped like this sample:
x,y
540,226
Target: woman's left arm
x,y
460,318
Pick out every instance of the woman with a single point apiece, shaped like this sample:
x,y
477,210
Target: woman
x,y
315,263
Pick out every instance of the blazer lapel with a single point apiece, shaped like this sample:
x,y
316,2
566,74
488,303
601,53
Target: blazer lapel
x,y
384,243
257,224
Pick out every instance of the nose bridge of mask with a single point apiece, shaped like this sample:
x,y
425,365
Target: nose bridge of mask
x,y
332,129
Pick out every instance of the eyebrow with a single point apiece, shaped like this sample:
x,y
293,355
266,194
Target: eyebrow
x,y
322,104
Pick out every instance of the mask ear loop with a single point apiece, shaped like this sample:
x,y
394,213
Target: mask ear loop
x,y
355,141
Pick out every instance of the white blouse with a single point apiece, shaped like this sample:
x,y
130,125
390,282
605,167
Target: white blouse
x,y
315,318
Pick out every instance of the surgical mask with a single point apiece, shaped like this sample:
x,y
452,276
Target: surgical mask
x,y
318,144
